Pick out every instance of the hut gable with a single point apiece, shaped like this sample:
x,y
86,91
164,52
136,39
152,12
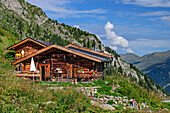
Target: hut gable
x,y
27,46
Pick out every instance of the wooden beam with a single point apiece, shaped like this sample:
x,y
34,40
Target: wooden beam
x,y
89,50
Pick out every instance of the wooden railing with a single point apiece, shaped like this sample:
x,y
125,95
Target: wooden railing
x,y
26,74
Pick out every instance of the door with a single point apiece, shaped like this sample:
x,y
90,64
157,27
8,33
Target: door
x,y
45,71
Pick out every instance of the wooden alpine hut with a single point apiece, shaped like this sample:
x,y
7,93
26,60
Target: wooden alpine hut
x,y
57,62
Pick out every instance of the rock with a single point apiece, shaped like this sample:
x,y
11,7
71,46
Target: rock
x,y
120,102
101,100
106,100
125,97
94,103
114,100
94,99
106,107
111,97
112,91
106,82
103,106
125,100
117,85
107,96
116,105
124,104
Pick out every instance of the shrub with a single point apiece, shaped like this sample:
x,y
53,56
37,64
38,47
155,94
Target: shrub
x,y
110,102
100,82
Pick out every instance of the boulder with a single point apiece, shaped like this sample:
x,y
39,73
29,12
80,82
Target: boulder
x,y
111,97
124,104
106,100
103,106
101,100
117,85
125,100
120,102
107,96
125,97
115,105
106,107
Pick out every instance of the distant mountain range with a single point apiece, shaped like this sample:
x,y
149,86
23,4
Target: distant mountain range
x,y
156,65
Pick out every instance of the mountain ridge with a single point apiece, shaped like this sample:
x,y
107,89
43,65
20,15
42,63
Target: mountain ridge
x,y
156,65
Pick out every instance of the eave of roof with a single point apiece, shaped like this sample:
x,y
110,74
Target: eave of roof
x,y
89,50
102,58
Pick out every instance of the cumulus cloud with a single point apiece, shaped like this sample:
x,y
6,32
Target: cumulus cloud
x,y
77,26
113,38
148,3
130,50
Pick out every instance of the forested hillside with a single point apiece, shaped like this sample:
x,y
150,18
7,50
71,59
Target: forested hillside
x,y
25,20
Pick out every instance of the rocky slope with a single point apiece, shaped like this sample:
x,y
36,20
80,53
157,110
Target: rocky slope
x,y
156,65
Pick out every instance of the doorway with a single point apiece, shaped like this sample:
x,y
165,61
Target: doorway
x,y
43,73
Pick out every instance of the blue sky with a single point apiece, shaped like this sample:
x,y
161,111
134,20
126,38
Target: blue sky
x,y
139,26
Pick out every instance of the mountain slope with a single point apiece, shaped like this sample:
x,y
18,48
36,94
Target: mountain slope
x,y
25,20
130,57
156,65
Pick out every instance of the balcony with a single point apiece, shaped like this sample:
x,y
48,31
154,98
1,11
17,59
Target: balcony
x,y
27,74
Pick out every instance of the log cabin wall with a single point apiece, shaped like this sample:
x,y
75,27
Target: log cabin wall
x,y
26,49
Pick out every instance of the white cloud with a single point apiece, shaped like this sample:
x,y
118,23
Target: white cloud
x,y
165,18
130,50
59,7
77,26
156,13
113,47
114,39
148,3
